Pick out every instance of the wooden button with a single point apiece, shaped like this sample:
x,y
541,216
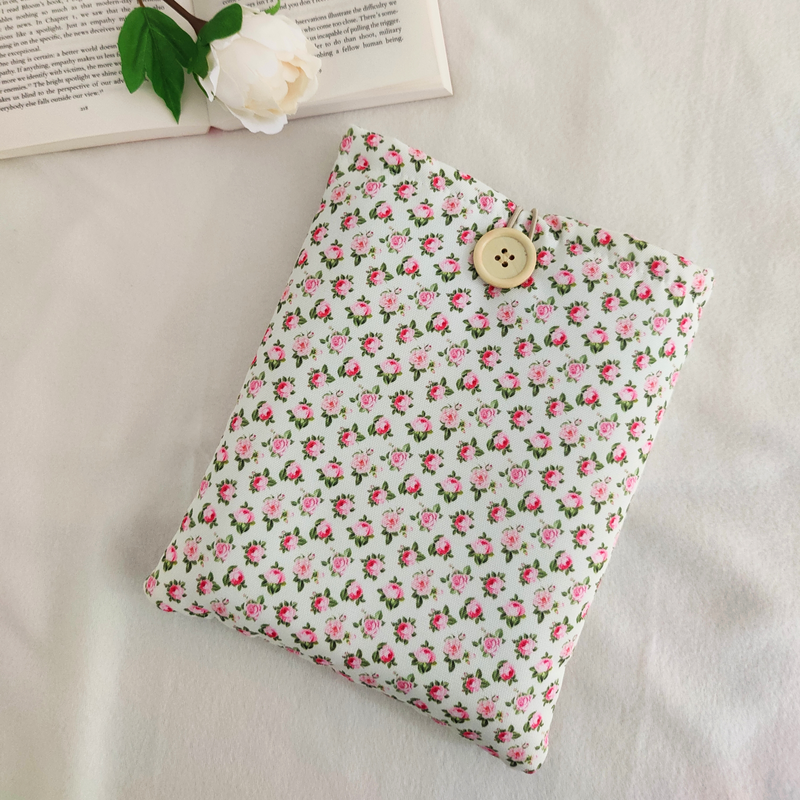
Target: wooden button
x,y
504,257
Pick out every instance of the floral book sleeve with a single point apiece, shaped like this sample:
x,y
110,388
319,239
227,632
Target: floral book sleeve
x,y
424,476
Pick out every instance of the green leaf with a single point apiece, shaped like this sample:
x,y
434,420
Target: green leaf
x,y
273,9
154,46
166,74
181,42
134,50
221,25
199,65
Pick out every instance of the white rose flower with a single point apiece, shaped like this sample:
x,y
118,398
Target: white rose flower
x,y
263,72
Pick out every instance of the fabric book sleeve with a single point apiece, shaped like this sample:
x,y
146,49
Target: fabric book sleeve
x,y
424,476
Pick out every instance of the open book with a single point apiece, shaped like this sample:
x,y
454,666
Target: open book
x,y
61,86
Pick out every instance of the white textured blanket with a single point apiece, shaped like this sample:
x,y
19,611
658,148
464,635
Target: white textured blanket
x,y
135,284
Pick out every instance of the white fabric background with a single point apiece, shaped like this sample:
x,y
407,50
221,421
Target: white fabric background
x,y
136,283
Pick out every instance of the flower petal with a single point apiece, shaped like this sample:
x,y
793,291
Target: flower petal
x,y
259,124
209,83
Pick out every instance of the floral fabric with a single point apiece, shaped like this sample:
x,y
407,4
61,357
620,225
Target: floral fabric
x,y
424,477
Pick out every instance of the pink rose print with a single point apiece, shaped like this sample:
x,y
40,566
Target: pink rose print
x,y
564,562
442,546
393,591
413,485
544,257
339,564
583,536
371,188
506,671
525,648
321,603
543,600
624,328
494,585
459,581
472,685
591,270
397,242
532,502
491,645
564,277
578,592
176,592
597,336
402,403
606,429
309,504
398,459
487,709
575,370
514,609
254,554
432,244
191,550
354,591
274,577
404,631
549,536
474,609
421,582
517,476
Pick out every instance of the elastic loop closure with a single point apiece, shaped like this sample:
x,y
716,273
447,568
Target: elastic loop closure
x,y
514,217
534,219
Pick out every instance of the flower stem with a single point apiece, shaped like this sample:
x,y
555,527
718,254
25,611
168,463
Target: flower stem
x,y
194,21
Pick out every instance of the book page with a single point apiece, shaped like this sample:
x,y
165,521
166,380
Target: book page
x,y
60,80
370,51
